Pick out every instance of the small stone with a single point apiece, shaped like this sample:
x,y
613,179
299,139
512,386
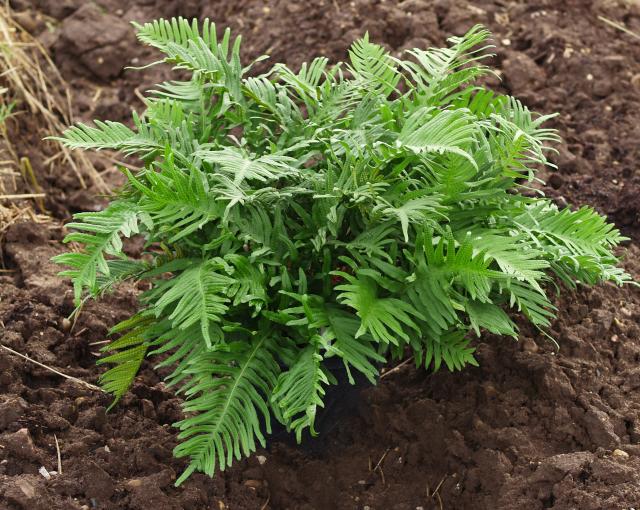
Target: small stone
x,y
11,410
529,345
602,88
27,489
65,324
261,459
621,454
553,469
506,42
490,390
600,428
43,471
253,484
21,445
589,77
148,410
134,484
96,482
556,181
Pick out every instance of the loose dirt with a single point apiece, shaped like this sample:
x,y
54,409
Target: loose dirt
x,y
531,427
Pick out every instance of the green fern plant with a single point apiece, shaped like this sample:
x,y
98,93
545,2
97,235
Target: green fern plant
x,y
355,211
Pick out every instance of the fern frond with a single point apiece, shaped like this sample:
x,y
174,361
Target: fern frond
x,y
100,233
337,333
373,67
428,131
299,391
176,200
453,348
360,352
131,349
385,319
240,167
227,396
196,295
580,232
490,317
533,304
109,135
514,258
440,71
248,283
418,211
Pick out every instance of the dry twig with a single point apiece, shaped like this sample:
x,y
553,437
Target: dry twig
x,y
21,196
619,26
436,492
396,368
71,378
58,453
378,468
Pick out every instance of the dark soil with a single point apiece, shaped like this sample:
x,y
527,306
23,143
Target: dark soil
x,y
531,427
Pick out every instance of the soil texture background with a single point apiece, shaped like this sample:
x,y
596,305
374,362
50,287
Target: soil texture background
x,y
531,427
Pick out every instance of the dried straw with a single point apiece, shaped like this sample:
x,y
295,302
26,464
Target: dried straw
x,y
30,81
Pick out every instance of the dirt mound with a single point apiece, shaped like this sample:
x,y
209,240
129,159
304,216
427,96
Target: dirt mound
x,y
531,426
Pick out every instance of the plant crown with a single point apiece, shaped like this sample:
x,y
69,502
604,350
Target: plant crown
x,y
354,211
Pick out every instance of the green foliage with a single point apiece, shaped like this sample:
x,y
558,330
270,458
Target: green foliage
x,y
293,217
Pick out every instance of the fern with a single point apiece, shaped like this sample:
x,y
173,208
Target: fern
x,y
228,392
357,212
373,67
101,234
131,349
299,391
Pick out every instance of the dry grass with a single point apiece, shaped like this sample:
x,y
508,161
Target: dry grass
x,y
12,213
32,92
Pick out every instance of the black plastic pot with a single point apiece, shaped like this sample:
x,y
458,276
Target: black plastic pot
x,y
340,402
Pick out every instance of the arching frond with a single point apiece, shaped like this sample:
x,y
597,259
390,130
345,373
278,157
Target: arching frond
x,y
100,233
440,71
299,391
241,167
387,320
196,295
439,132
373,67
227,394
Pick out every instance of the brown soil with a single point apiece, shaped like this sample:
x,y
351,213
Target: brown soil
x,y
531,427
